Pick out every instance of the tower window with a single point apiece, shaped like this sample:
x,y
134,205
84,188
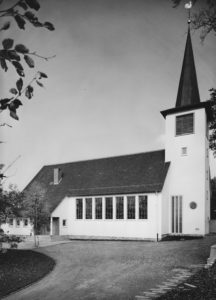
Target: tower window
x,y
184,124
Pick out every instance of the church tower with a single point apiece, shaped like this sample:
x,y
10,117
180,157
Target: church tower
x,y
187,150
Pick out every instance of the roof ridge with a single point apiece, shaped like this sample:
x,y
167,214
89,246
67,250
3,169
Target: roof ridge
x,y
101,158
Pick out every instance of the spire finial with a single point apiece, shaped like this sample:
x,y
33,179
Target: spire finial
x,y
188,6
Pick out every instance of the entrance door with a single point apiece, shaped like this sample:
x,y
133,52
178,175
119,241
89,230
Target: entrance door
x,y
55,225
176,207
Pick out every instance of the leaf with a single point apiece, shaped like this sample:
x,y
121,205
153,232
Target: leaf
x,y
49,26
30,16
29,92
7,44
42,75
3,64
20,72
14,115
13,55
4,103
29,61
20,22
21,48
23,5
39,83
37,24
19,84
13,91
15,104
17,65
5,26
33,4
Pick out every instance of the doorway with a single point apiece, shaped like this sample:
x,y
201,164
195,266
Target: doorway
x,y
55,225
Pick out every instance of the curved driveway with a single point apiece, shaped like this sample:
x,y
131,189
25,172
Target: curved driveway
x,y
113,269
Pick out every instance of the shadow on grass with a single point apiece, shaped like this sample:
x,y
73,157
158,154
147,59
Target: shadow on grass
x,y
19,268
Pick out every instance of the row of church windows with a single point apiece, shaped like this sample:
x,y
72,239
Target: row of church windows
x,y
125,207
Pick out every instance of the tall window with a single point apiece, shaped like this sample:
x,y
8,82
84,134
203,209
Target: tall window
x,y
11,222
98,208
185,124
79,208
143,207
119,207
109,207
131,207
88,208
17,222
25,222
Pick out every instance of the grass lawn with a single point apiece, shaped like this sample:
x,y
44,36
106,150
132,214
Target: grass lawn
x,y
19,268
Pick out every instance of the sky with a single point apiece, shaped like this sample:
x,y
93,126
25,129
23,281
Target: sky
x,y
117,65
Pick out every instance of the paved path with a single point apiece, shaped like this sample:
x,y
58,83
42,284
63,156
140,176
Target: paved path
x,y
114,270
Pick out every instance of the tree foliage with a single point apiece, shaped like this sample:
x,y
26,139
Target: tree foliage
x,y
35,206
19,56
11,202
212,125
205,18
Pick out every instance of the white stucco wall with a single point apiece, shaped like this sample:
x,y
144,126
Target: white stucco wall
x,y
188,173
18,230
145,229
166,206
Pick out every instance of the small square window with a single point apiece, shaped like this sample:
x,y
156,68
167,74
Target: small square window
x,y
184,151
64,222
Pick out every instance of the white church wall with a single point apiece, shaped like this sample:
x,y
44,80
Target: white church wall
x,y
188,172
165,206
17,226
63,211
116,228
207,182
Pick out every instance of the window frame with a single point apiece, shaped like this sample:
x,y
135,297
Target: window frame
x,y
11,225
88,208
108,208
131,215
143,215
120,209
98,212
18,225
24,220
182,116
79,210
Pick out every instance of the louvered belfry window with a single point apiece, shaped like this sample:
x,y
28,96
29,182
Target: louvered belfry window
x,y
184,124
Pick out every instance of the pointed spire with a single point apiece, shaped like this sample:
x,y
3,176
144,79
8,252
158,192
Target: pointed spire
x,y
188,92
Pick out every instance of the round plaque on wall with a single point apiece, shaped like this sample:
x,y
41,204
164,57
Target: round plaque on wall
x,y
193,205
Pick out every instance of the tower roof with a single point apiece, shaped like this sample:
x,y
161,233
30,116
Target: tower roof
x,y
188,92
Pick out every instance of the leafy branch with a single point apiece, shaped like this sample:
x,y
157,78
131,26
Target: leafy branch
x,y
18,56
13,103
204,19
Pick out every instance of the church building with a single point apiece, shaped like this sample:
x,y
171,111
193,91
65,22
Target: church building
x,y
140,196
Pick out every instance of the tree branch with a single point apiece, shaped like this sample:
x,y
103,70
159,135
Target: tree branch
x,y
5,124
40,56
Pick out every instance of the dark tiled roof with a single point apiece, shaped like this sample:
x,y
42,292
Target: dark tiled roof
x,y
188,92
136,173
